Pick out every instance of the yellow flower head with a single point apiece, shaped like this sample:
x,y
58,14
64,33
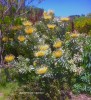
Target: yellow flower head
x,y
40,54
43,47
45,13
9,58
47,17
21,38
5,39
74,35
57,53
65,19
50,12
42,70
51,26
57,44
29,30
27,23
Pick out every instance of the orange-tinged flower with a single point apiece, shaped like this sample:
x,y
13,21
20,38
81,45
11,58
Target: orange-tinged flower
x,y
5,39
29,30
9,58
27,23
51,26
74,35
21,38
40,54
42,70
57,53
43,47
57,44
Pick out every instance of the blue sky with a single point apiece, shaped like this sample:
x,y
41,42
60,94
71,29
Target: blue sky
x,y
67,7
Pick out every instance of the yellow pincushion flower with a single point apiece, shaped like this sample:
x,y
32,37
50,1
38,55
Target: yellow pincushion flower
x,y
65,19
42,70
57,53
50,12
47,17
9,58
27,23
51,26
40,54
43,47
74,35
21,38
57,44
45,13
29,30
5,39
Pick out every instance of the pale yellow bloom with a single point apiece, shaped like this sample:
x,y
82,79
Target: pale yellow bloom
x,y
29,30
43,47
57,53
27,23
45,13
50,12
21,38
65,19
74,35
42,70
5,39
47,17
51,26
9,58
40,54
57,44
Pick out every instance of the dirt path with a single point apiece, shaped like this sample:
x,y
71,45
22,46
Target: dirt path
x,y
1,94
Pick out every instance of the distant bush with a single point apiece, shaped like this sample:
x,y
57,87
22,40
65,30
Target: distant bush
x,y
83,24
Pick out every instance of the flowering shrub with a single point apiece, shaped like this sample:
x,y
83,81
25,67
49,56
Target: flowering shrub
x,y
43,52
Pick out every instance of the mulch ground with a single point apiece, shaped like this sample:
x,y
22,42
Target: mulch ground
x,y
73,97
80,97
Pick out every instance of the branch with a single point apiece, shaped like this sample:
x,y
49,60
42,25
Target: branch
x,y
20,4
7,10
22,14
